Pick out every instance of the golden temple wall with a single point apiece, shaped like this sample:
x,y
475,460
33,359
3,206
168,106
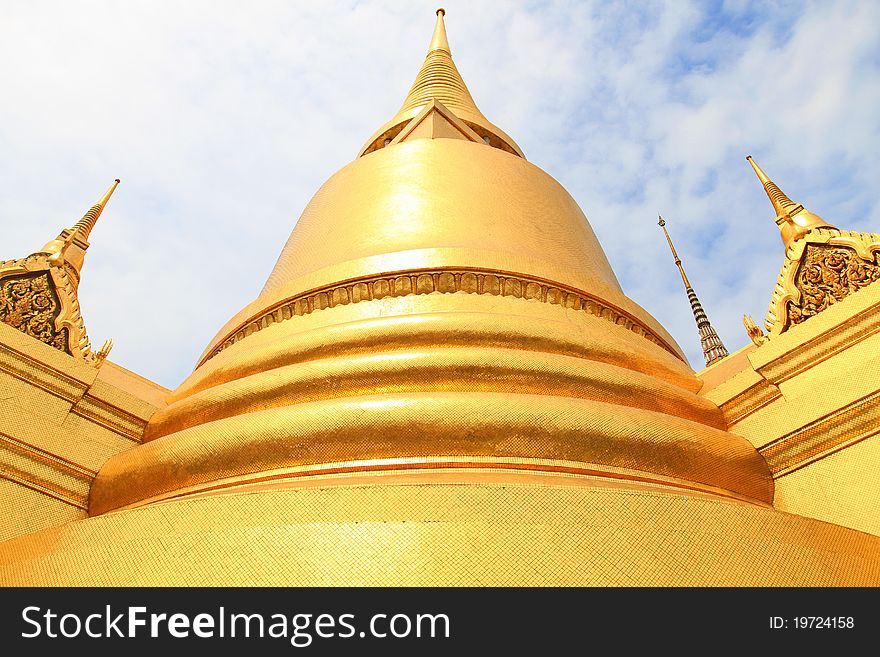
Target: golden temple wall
x,y
809,400
60,420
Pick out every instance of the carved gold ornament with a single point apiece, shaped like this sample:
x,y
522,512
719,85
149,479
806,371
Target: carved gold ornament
x,y
29,303
444,281
40,300
38,294
821,269
754,331
823,265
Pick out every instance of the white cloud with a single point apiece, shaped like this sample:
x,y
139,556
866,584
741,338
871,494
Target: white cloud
x,y
223,119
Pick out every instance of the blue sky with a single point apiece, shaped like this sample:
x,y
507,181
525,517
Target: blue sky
x,y
223,118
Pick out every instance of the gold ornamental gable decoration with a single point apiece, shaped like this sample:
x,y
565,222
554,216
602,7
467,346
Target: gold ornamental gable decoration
x,y
38,294
821,269
444,281
40,300
823,264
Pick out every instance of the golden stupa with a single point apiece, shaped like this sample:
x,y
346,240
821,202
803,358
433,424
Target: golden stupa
x,y
442,383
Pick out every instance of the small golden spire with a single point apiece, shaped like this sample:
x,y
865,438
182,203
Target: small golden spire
x,y
793,219
439,79
84,226
713,349
439,41
69,248
781,203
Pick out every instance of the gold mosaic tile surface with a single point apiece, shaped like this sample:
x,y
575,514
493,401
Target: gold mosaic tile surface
x,y
476,533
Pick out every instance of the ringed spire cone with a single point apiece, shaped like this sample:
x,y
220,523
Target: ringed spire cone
x,y
440,80
83,227
793,219
70,246
713,349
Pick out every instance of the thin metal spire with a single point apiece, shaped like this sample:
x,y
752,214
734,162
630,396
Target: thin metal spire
x,y
713,349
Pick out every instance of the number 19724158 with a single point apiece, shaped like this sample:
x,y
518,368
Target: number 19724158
x,y
812,623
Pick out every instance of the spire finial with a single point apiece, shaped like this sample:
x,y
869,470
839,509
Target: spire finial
x,y
793,219
684,278
439,41
70,246
713,349
781,203
84,226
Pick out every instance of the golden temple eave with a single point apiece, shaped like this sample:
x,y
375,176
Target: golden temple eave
x,y
60,420
807,399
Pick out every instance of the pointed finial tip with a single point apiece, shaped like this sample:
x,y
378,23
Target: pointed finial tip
x,y
116,180
749,158
439,41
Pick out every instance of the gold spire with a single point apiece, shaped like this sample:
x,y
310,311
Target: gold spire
x,y
793,219
439,42
440,80
70,246
84,226
46,305
713,349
